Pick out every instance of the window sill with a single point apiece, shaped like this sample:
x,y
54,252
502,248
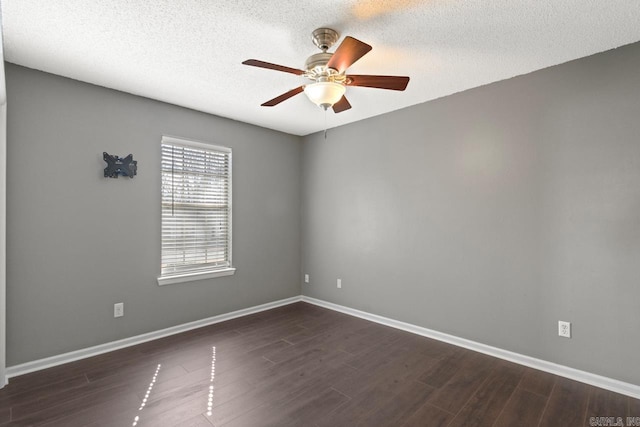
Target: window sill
x,y
170,280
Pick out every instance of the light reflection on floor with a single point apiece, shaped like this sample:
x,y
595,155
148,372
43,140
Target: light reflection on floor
x,y
213,377
146,396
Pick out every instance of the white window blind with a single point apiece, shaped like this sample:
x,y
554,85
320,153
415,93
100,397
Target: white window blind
x,y
196,208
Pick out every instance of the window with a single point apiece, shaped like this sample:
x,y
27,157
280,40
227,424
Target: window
x,y
196,211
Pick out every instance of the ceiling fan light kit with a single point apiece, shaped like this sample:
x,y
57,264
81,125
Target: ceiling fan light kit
x,y
324,94
327,72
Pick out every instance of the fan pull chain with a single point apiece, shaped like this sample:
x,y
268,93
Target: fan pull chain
x,y
325,123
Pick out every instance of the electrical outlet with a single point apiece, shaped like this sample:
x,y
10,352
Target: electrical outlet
x,y
306,278
339,283
118,309
564,329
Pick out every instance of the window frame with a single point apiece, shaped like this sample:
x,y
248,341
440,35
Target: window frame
x,y
229,270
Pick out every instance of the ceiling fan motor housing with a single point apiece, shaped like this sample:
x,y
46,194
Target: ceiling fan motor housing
x,y
317,61
317,70
316,65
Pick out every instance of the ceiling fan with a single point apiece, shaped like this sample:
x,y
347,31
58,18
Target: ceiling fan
x,y
327,72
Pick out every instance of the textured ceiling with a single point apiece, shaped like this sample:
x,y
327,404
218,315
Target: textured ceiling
x,y
189,52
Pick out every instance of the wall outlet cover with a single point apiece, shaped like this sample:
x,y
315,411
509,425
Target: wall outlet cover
x,y
564,329
118,309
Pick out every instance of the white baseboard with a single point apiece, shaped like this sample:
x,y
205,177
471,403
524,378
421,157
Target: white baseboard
x,y
542,365
36,365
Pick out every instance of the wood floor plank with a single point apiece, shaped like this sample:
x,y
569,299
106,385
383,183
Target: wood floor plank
x,y
445,369
318,370
537,382
398,410
334,339
81,397
5,415
307,414
523,406
252,371
198,421
372,389
605,403
275,394
429,415
350,413
634,407
567,404
487,403
172,410
26,395
227,359
302,409
85,410
463,384
389,372
374,358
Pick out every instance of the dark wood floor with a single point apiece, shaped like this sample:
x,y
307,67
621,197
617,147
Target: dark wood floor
x,y
301,365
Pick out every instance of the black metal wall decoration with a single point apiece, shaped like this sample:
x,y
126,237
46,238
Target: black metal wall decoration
x,y
124,166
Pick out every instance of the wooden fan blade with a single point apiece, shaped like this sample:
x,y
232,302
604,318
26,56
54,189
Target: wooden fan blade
x,y
341,105
349,51
278,99
378,82
270,66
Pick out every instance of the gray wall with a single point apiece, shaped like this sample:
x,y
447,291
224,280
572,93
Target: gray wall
x,y
492,214
79,242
